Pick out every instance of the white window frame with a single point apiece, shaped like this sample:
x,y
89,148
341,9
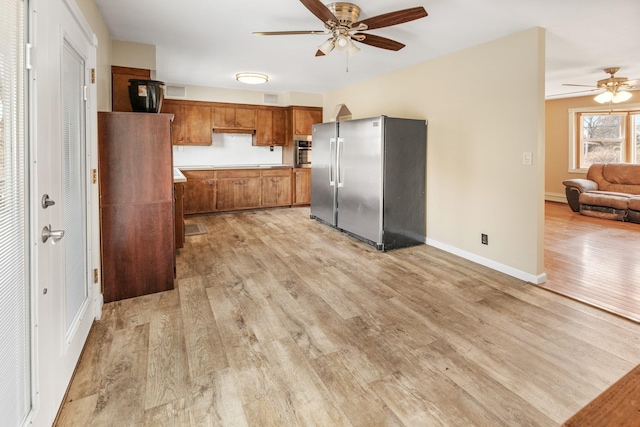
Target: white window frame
x,y
575,130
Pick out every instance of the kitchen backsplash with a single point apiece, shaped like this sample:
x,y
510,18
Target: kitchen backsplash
x,y
227,149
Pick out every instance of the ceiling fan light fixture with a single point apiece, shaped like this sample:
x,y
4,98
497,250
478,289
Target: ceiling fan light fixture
x,y
327,46
342,42
621,96
252,78
604,97
352,49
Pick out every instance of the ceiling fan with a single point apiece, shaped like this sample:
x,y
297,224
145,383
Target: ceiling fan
x,y
342,25
615,88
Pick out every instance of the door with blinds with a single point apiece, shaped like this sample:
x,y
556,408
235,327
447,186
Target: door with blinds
x,y
63,197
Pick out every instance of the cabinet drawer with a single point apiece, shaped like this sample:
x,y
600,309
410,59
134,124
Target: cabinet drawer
x,y
239,173
284,172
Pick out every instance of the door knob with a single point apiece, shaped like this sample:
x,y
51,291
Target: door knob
x,y
54,234
46,201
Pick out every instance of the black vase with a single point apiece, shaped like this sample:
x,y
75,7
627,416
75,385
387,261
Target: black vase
x,y
146,95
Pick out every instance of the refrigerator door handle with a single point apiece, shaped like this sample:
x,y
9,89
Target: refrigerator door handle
x,y
339,157
332,180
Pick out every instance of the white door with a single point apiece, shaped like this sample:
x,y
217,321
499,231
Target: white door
x,y
62,147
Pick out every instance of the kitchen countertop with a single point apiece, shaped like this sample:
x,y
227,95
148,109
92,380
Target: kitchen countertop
x,y
178,176
222,167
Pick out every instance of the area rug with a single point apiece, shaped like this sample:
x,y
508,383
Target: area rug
x,y
194,229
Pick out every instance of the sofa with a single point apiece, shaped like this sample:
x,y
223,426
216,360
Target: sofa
x,y
611,191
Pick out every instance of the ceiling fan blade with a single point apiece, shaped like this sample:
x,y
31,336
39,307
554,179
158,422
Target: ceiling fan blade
x,y
392,18
578,91
319,53
320,10
287,33
377,41
569,84
632,83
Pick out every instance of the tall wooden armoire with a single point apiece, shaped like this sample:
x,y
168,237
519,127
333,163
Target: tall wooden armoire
x,y
136,203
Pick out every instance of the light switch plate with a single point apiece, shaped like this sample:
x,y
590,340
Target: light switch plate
x,y
527,158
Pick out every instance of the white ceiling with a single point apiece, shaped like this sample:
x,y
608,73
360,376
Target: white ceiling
x,y
206,43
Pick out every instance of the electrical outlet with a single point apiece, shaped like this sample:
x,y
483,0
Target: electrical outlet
x,y
484,238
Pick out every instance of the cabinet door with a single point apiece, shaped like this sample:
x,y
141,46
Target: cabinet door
x,y
200,196
223,117
278,127
198,127
302,184
238,193
304,119
177,127
264,125
245,118
276,191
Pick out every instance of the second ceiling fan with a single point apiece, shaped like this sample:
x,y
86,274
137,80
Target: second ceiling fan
x,y
342,25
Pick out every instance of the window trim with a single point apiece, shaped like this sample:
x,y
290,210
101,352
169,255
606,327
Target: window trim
x,y
575,129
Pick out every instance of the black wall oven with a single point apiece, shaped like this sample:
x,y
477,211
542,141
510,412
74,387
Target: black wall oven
x,y
303,154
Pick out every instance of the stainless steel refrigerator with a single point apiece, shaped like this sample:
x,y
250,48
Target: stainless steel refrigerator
x,y
368,179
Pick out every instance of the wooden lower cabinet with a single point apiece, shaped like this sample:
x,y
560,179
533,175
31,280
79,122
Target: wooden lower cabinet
x,y
238,189
208,191
301,186
200,196
276,187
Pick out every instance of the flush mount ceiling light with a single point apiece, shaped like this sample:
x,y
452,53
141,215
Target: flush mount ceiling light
x,y
252,78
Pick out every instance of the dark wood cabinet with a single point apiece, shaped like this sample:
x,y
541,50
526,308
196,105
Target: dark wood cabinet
x,y
136,204
200,192
301,186
120,86
276,187
270,127
192,122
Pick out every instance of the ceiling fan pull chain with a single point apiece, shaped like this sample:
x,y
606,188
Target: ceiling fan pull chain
x,y
347,53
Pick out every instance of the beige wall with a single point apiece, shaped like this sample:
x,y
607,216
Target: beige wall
x,y
134,55
557,140
485,107
103,52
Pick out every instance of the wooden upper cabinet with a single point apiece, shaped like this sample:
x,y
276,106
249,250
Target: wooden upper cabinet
x,y
270,127
191,123
197,125
246,117
233,117
177,127
120,86
304,118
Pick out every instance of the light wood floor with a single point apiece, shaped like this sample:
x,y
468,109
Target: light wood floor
x,y
593,260
277,320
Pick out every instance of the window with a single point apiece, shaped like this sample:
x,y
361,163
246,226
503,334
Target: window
x,y
604,136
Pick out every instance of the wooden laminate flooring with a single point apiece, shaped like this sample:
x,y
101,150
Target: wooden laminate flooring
x,y
593,260
277,320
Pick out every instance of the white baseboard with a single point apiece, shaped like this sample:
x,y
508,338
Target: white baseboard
x,y
510,271
555,197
